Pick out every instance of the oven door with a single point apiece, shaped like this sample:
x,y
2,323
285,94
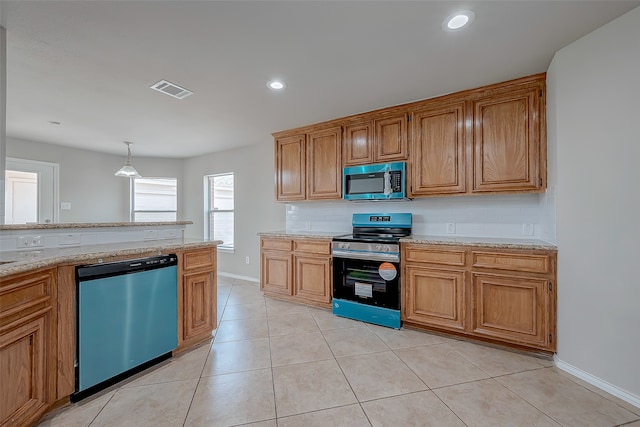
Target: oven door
x,y
368,282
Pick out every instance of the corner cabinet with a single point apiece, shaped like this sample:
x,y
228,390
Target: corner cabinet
x,y
27,346
506,296
509,139
197,293
296,269
308,165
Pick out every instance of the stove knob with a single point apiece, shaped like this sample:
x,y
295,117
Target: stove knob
x,y
378,248
386,248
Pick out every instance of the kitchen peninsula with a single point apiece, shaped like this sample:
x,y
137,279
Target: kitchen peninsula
x,y
37,301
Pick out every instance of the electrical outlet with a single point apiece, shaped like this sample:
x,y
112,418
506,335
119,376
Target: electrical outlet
x,y
169,234
246,260
150,235
27,242
69,240
451,228
527,229
65,206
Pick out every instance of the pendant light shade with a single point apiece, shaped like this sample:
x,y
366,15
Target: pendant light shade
x,y
127,170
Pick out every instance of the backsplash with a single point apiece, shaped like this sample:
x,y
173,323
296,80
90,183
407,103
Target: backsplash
x,y
511,216
38,239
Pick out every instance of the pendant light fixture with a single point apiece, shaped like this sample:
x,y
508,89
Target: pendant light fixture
x,y
127,170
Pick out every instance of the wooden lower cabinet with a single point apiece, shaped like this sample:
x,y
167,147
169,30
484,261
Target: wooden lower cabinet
x,y
499,295
435,297
197,295
297,270
312,275
27,347
275,272
510,308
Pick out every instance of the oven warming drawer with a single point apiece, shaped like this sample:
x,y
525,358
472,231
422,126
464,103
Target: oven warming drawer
x,y
366,313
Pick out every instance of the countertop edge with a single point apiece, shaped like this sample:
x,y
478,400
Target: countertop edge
x,y
302,234
497,244
61,225
89,253
486,242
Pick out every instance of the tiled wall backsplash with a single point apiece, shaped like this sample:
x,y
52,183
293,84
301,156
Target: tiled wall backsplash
x,y
511,216
34,239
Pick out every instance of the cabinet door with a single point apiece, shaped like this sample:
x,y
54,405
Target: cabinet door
x,y
23,369
324,164
512,309
507,141
199,304
275,274
391,138
358,144
313,278
290,168
438,150
435,297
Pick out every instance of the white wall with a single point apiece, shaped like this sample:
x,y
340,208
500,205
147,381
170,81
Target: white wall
x,y
255,208
595,96
87,180
3,114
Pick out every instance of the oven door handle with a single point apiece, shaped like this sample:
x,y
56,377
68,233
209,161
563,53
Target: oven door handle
x,y
366,256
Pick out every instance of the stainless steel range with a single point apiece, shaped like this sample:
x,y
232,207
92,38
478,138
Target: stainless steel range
x,y
366,268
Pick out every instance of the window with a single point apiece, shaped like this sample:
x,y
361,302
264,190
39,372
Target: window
x,y
154,199
220,207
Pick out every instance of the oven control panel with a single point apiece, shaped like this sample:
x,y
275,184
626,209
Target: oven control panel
x,y
366,250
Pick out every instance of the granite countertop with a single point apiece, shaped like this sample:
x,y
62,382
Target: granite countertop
x,y
12,262
304,234
90,225
491,242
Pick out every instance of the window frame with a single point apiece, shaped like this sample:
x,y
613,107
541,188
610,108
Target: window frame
x,y
209,211
132,199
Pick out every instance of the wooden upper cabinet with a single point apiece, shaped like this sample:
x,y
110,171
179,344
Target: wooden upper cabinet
x,y
384,139
358,144
324,165
390,138
509,146
438,150
290,168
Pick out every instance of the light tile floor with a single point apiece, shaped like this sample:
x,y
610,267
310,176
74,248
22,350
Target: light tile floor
x,y
274,363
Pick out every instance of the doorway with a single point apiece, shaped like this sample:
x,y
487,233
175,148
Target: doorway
x,y
31,191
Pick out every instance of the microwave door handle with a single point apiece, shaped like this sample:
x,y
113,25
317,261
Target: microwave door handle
x,y
387,183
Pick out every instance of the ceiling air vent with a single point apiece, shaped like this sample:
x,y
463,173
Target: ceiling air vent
x,y
171,89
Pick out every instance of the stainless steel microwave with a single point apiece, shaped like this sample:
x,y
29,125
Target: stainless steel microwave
x,y
382,181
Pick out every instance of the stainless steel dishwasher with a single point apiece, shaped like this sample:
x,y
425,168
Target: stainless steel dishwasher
x,y
126,319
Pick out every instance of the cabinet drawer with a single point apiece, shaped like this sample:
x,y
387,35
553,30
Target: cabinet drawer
x,y
313,246
276,244
533,263
434,256
200,258
24,292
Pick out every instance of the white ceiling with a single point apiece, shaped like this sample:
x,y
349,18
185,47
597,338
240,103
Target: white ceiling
x,y
89,64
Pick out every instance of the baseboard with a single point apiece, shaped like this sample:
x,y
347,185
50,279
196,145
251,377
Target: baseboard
x,y
238,276
595,381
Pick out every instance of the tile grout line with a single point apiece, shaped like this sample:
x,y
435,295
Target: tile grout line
x,y
186,415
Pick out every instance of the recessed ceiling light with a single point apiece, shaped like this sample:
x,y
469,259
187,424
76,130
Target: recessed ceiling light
x,y
458,20
276,85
